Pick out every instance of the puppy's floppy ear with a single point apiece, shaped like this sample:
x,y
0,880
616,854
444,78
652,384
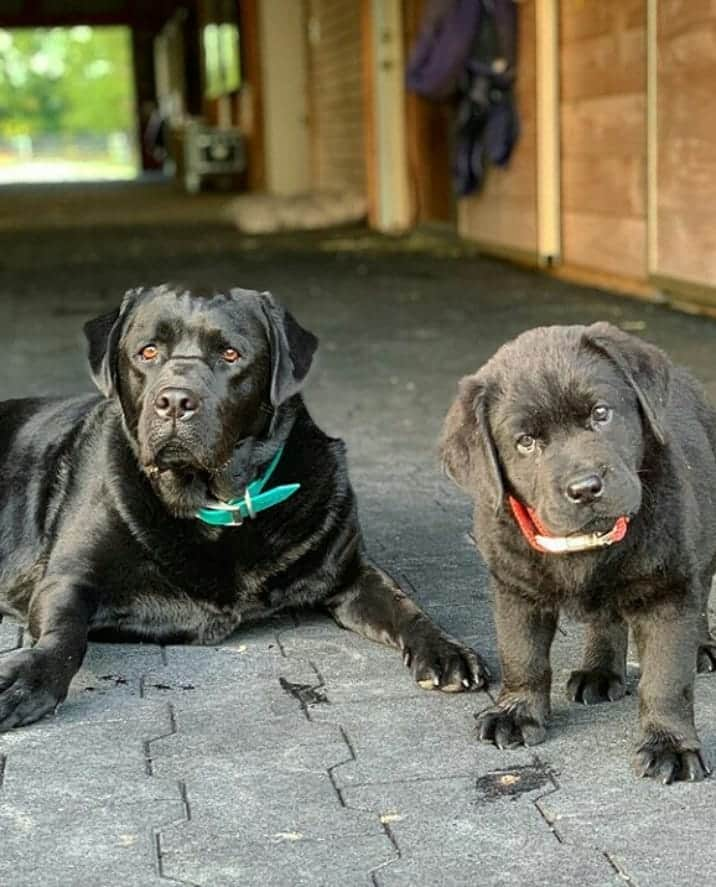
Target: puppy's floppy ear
x,y
645,367
467,446
103,336
292,350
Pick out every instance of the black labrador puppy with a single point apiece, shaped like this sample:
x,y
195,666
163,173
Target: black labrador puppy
x,y
592,460
194,495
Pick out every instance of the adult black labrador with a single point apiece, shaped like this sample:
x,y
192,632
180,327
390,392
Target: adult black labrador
x,y
194,495
592,460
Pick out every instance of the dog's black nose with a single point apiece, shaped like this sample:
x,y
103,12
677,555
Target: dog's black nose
x,y
585,488
176,403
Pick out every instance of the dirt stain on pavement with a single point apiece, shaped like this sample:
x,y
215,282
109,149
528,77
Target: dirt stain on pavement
x,y
511,783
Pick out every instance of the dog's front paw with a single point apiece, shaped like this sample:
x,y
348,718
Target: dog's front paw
x,y
662,757
28,688
510,726
439,662
595,685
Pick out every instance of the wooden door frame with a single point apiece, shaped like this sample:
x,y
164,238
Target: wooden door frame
x,y
312,37
549,179
251,73
369,130
384,130
652,254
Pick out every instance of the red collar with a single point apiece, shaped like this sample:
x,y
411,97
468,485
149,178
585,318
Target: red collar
x,y
536,533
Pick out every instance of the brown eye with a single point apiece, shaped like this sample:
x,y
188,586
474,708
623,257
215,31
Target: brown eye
x,y
601,414
526,443
149,352
230,355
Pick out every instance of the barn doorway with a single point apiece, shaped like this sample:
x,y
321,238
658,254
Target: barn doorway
x,y
67,105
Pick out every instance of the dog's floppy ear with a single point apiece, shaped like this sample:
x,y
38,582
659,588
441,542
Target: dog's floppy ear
x,y
645,367
103,335
292,350
467,447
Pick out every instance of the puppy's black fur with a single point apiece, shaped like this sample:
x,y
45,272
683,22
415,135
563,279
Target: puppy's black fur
x,y
557,411
98,497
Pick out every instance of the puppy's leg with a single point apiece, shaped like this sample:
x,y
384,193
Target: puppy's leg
x,y
524,638
602,677
375,607
34,680
667,641
706,655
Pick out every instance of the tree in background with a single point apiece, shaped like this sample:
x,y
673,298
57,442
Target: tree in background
x,y
65,80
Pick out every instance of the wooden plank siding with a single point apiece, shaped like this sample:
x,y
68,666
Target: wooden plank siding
x,y
336,99
603,136
504,214
686,141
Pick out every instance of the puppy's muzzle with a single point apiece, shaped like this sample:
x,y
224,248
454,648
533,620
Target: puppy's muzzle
x,y
176,404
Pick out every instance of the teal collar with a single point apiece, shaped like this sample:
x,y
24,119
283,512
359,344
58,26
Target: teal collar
x,y
235,511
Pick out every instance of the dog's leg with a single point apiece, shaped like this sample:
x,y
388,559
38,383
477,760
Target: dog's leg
x,y
524,638
375,607
602,677
667,641
34,680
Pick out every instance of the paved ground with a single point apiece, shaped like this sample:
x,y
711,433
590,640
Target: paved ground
x,y
297,754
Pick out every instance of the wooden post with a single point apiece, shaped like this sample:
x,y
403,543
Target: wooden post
x,y
369,128
251,75
548,134
383,79
652,79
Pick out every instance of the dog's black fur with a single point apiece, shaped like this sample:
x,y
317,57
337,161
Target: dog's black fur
x,y
526,425
98,496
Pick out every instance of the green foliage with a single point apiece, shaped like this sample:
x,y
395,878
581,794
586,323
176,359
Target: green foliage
x,y
70,80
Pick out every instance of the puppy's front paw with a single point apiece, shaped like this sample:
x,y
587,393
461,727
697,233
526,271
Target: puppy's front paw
x,y
661,757
27,688
510,727
439,662
595,685
706,656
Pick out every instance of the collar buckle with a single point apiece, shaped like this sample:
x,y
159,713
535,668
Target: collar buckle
x,y
235,520
254,500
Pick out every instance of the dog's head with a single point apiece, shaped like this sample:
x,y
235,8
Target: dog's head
x,y
195,374
560,419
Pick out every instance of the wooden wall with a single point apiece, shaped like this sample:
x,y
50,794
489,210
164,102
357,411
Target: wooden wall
x,y
603,135
504,214
336,94
686,141
637,145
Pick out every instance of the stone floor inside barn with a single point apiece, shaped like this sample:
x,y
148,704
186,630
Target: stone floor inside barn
x,y
296,753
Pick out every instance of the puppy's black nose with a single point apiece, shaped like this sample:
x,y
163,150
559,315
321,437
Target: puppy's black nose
x,y
176,403
585,488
